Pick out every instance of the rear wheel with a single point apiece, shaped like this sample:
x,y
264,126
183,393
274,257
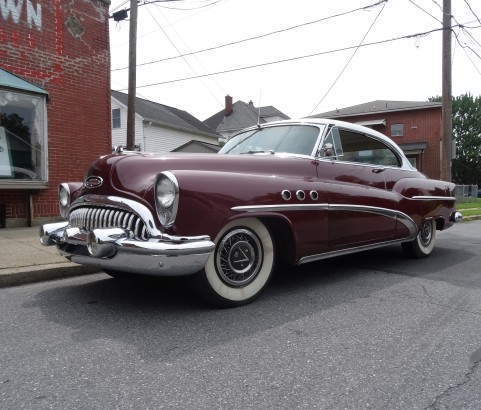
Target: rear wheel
x,y
240,266
423,245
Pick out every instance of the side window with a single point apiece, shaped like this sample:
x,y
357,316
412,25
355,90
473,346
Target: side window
x,y
116,118
364,149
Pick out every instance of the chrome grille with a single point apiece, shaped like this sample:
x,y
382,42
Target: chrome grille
x,y
90,218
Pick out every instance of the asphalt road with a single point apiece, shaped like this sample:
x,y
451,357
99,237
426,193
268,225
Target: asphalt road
x,y
375,330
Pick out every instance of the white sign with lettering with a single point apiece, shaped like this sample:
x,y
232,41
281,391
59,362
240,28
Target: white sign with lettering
x,y
22,9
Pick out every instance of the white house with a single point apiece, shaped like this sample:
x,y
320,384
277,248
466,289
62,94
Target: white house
x,y
158,127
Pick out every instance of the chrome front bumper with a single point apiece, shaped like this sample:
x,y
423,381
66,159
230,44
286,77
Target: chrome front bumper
x,y
113,249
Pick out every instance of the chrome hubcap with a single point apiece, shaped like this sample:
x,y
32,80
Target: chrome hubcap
x,y
426,233
239,257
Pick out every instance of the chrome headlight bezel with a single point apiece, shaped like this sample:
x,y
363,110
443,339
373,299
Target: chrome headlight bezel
x,y
64,199
166,192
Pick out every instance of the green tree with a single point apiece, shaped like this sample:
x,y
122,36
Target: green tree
x,y
466,167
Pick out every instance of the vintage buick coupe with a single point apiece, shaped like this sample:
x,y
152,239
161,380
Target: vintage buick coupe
x,y
290,192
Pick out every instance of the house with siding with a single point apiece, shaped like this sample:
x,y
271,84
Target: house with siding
x,y
158,127
414,125
239,115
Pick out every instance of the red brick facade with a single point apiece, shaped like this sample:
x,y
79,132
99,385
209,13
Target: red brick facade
x,y
420,126
63,48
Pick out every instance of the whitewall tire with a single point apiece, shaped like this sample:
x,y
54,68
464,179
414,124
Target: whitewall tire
x,y
240,266
423,245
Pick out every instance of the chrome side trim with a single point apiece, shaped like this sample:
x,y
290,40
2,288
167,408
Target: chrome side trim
x,y
356,249
277,208
433,198
389,213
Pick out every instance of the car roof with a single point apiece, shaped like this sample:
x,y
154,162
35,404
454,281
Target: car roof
x,y
336,123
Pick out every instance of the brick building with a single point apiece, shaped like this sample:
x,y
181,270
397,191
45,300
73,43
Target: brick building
x,y
54,101
415,126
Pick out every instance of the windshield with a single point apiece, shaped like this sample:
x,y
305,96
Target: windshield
x,y
292,139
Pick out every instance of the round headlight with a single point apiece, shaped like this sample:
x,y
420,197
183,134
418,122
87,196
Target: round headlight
x,y
166,192
63,197
166,197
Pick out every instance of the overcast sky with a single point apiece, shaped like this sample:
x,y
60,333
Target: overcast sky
x,y
301,56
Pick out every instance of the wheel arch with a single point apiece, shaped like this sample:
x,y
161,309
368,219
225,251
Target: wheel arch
x,y
283,235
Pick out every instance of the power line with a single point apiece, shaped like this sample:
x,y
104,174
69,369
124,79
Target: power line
x,y
474,14
349,61
299,58
183,57
263,35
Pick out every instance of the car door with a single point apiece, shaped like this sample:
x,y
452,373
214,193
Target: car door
x,y
361,209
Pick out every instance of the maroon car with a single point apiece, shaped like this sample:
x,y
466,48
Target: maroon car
x,y
290,192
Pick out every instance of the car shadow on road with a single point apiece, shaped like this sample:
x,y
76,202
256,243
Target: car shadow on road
x,y
165,318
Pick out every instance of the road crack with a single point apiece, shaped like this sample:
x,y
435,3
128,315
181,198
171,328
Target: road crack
x,y
437,404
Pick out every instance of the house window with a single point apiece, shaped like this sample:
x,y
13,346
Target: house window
x,y
397,130
116,118
23,138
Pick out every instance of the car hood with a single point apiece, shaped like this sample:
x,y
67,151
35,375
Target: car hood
x,y
135,172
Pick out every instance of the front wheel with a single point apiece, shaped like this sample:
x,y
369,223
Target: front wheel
x,y
423,245
240,266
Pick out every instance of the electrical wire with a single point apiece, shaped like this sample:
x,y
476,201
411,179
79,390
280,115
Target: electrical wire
x,y
348,62
298,58
472,11
184,58
262,35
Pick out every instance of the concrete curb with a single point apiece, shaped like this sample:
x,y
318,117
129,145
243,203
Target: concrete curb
x,y
40,273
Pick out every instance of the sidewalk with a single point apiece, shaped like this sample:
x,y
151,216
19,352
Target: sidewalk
x,y
24,260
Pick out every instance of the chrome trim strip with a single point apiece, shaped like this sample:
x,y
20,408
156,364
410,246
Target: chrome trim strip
x,y
389,213
434,198
343,252
275,208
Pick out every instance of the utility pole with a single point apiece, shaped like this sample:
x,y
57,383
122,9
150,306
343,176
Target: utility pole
x,y
447,104
132,76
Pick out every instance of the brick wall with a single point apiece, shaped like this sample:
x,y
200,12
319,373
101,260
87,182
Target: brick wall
x,y
65,52
422,125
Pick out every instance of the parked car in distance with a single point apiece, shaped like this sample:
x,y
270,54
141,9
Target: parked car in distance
x,y
285,192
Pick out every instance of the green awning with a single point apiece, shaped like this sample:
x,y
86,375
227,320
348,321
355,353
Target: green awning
x,y
12,81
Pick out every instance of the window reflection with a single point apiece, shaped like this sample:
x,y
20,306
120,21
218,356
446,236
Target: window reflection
x,y
22,137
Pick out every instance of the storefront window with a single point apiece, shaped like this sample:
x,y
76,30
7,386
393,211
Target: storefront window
x,y
22,138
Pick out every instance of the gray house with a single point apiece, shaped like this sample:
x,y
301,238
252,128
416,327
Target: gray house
x,y
160,128
240,115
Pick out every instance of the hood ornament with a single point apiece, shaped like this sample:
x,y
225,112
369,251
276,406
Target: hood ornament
x,y
93,182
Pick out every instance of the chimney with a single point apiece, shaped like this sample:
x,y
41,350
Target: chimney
x,y
228,105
